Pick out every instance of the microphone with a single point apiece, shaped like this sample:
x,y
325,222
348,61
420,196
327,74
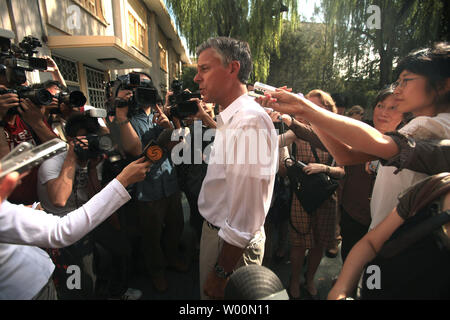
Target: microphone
x,y
255,282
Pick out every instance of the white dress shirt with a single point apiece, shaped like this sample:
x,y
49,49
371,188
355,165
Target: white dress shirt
x,y
238,187
25,269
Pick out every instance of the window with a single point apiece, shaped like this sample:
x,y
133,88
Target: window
x,y
137,30
95,82
162,57
68,69
95,7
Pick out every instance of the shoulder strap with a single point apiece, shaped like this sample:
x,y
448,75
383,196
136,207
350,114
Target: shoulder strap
x,y
419,231
314,153
294,151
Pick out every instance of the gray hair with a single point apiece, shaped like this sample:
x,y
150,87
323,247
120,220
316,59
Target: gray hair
x,y
231,50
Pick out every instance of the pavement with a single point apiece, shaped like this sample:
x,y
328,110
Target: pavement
x,y
185,286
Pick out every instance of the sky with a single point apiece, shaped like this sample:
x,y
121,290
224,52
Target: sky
x,y
306,9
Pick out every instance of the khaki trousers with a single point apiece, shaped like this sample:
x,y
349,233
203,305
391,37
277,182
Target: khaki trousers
x,y
211,246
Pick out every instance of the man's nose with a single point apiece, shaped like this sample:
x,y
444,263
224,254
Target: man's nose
x,y
197,78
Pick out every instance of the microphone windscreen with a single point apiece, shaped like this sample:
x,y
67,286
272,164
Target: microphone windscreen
x,y
164,138
252,282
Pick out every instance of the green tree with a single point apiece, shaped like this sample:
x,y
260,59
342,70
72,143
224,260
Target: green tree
x,y
405,25
259,22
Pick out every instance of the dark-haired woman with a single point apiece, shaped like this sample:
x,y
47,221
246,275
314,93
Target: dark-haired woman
x,y
423,88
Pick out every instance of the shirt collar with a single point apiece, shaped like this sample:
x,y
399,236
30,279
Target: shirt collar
x,y
227,114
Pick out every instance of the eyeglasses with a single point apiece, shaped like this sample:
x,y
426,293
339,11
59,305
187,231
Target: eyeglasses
x,y
402,83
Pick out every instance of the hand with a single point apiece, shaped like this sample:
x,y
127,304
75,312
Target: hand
x,y
7,101
7,185
29,112
335,294
313,168
134,172
51,64
274,115
161,119
214,286
283,101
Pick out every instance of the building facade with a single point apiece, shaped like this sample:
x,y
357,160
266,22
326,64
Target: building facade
x,y
93,41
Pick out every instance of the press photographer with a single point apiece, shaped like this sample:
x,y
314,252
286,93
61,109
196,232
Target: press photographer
x,y
26,123
160,213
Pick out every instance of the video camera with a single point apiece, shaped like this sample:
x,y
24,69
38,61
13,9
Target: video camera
x,y
144,93
182,107
16,60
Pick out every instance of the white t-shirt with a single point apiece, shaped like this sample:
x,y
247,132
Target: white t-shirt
x,y
49,170
389,186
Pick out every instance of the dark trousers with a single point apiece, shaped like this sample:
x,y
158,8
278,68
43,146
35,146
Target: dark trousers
x,y
161,227
351,231
113,258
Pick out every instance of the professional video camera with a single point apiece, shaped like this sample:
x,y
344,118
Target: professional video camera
x,y
15,61
144,93
182,107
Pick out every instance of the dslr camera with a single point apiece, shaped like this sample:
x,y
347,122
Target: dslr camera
x,y
97,146
74,99
181,106
144,93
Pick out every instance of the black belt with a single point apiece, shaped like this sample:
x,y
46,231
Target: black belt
x,y
211,226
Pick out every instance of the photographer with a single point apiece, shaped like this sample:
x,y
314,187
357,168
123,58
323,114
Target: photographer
x,y
26,271
22,119
66,182
158,197
191,173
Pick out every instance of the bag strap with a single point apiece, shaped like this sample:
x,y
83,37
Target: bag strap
x,y
314,153
413,235
416,233
316,156
294,151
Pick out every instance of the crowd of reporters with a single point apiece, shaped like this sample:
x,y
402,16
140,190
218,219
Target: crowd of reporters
x,y
83,189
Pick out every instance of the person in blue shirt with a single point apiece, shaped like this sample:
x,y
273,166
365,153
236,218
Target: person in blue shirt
x,y
160,212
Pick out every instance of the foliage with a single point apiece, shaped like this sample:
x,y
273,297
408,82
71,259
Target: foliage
x,y
256,21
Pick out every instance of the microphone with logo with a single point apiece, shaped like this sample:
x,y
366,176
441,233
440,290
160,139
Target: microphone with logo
x,y
156,150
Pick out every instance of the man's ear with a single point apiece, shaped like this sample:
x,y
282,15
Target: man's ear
x,y
235,68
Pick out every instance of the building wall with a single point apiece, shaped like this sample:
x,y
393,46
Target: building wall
x,y
42,18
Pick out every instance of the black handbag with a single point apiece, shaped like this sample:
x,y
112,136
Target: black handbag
x,y
311,190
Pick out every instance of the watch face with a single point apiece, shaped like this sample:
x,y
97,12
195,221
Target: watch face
x,y
220,272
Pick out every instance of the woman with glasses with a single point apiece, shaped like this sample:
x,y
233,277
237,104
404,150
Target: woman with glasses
x,y
423,88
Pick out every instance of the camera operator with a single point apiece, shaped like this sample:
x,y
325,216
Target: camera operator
x,y
22,119
26,271
158,197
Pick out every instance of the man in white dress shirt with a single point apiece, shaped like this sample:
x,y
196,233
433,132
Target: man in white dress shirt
x,y
237,190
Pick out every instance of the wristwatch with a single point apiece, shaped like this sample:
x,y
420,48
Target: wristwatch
x,y
221,273
121,123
